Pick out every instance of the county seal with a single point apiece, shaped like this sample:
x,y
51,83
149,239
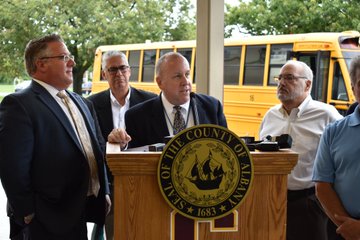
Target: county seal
x,y
205,172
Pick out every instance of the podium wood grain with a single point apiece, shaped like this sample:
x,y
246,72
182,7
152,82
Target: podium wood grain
x,y
141,212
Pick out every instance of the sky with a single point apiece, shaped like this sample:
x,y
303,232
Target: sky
x,y
235,32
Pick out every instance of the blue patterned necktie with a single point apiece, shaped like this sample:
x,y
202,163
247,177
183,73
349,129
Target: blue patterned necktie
x,y
179,121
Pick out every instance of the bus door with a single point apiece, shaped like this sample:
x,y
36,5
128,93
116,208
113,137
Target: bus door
x,y
339,95
319,64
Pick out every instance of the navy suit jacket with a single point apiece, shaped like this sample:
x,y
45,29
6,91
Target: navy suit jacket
x,y
146,123
103,110
42,166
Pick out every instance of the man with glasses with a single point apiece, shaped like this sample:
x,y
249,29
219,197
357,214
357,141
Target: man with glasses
x,y
304,120
51,151
175,109
110,106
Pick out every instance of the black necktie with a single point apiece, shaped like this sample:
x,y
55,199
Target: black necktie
x,y
179,121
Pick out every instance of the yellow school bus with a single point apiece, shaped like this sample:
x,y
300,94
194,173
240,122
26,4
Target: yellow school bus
x,y
250,64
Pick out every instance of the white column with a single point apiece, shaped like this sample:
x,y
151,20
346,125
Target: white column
x,y
210,48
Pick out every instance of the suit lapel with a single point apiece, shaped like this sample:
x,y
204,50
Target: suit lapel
x,y
201,113
134,98
159,122
84,112
54,107
105,113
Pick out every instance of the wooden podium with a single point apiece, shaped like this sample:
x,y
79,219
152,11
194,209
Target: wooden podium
x,y
141,212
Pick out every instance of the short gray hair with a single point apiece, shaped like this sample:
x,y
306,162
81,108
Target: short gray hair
x,y
110,54
354,68
165,58
306,70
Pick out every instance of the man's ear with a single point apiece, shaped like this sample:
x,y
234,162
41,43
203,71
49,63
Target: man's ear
x,y
308,85
158,80
103,74
40,65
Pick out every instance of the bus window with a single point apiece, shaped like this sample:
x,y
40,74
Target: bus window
x,y
319,64
101,76
254,65
163,51
134,59
348,56
149,65
278,57
349,42
186,52
232,65
338,91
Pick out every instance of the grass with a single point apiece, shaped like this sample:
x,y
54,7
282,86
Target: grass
x,y
6,88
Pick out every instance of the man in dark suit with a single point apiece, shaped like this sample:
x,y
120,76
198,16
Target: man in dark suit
x,y
150,121
110,106
54,181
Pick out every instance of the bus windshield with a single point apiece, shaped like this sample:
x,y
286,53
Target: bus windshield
x,y
348,56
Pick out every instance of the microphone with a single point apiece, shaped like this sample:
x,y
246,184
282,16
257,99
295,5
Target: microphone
x,y
194,107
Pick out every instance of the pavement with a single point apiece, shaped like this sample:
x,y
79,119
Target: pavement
x,y
4,221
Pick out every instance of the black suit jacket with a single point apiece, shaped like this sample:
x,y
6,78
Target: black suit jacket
x,y
101,102
146,123
42,166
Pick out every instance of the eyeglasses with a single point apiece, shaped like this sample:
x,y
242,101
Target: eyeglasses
x,y
64,58
287,78
114,70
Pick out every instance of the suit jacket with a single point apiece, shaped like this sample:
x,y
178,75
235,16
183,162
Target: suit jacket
x,y
103,110
42,166
146,123
101,102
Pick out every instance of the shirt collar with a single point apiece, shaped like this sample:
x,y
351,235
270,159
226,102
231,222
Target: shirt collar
x,y
354,118
301,108
115,101
53,91
169,108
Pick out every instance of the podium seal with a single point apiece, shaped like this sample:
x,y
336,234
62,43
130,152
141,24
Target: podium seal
x,y
205,172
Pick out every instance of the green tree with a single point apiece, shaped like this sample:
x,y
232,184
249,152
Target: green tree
x,y
86,24
260,17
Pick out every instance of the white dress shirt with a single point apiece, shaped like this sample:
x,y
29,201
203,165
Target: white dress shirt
x,y
305,125
118,110
169,112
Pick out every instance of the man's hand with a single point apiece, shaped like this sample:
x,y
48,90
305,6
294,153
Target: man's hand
x,y
29,218
108,204
349,227
119,135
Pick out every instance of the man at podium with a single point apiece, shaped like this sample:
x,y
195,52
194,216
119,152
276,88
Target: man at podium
x,y
175,109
